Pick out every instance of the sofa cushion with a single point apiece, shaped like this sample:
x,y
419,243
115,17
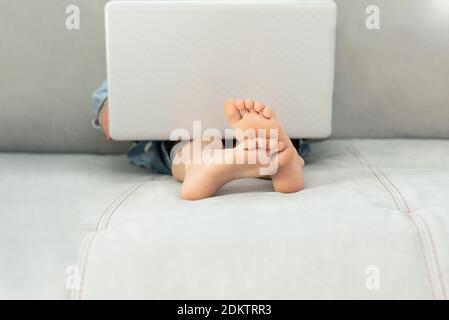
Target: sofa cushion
x,y
372,222
48,204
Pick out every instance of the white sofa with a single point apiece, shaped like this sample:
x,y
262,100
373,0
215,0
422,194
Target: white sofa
x,y
371,208
80,222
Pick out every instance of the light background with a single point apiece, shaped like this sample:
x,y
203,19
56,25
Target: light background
x,y
392,82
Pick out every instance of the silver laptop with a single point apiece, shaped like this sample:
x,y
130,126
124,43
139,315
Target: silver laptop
x,y
171,63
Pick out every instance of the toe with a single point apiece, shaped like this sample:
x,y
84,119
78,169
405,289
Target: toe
x,y
281,146
240,104
272,145
259,106
250,144
249,105
232,113
262,143
285,156
269,113
242,134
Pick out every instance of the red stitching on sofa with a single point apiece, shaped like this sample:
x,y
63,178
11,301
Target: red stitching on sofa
x,y
440,271
429,232
355,156
399,192
353,152
426,262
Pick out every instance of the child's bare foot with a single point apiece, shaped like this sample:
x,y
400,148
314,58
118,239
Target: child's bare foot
x,y
205,177
247,114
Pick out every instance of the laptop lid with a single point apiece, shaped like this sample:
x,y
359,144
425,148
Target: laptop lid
x,y
170,63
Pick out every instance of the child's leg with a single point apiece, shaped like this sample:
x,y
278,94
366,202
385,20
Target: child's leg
x,y
202,178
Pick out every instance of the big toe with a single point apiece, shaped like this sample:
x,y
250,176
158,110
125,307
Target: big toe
x,y
232,112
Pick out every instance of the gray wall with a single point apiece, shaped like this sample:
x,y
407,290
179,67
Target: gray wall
x,y
392,82
47,75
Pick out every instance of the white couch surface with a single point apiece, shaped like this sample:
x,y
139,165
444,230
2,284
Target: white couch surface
x,y
371,209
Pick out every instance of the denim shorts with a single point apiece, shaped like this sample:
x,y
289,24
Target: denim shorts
x,y
151,155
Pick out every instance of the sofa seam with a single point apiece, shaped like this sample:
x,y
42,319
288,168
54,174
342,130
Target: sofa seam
x,y
86,245
84,260
429,234
111,205
367,165
80,258
357,153
435,252
120,200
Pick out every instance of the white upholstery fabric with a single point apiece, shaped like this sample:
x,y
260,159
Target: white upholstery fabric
x,y
381,203
48,204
